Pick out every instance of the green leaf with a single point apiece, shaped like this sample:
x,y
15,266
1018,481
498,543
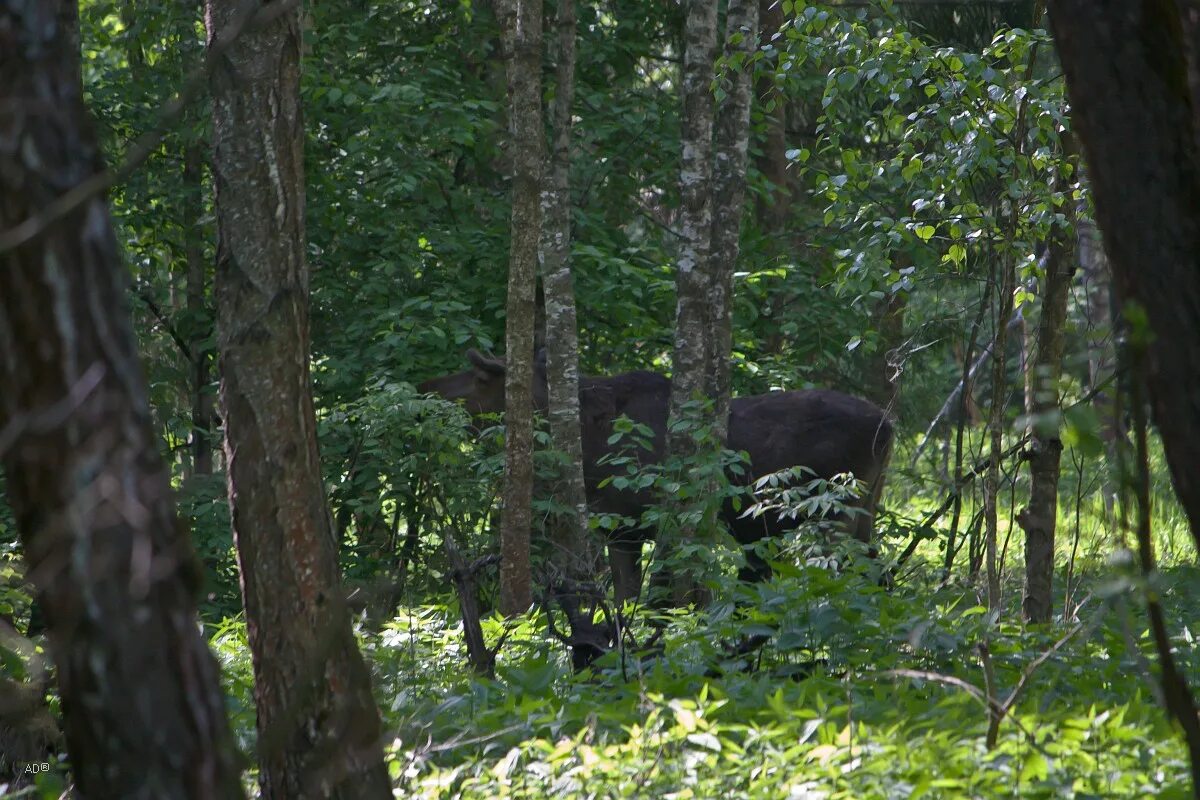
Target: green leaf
x,y
1035,768
912,168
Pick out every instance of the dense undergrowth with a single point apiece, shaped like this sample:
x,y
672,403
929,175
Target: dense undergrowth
x,y
858,691
856,694
855,691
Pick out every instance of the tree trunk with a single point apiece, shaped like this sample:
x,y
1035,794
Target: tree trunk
x,y
115,574
1127,77
199,315
772,161
521,22
1101,352
887,364
693,330
1039,517
729,192
572,555
991,487
694,344
318,727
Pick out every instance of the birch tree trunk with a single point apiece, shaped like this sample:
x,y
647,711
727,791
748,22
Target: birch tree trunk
x,y
318,727
729,193
572,555
693,324
694,342
1101,351
521,22
114,570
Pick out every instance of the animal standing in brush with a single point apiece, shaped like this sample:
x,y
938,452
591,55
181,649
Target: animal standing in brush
x,y
828,432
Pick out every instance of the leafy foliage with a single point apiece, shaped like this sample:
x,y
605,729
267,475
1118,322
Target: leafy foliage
x,y
927,149
824,712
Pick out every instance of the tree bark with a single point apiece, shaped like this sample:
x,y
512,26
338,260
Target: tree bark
x,y
1101,351
114,569
572,556
772,161
1039,518
694,343
521,23
1127,78
318,727
199,313
729,193
886,365
693,330
1176,694
991,486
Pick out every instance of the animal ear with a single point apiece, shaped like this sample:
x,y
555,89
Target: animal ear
x,y
490,365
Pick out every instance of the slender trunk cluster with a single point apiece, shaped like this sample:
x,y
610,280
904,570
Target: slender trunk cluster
x,y
318,727
115,573
521,23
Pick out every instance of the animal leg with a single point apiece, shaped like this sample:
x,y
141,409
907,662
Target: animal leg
x,y
624,558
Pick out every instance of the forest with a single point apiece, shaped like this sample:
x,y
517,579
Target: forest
x,y
599,398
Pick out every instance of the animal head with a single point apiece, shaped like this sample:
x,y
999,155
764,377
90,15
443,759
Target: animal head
x,y
481,388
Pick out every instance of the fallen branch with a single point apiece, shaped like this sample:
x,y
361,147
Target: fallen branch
x,y
481,658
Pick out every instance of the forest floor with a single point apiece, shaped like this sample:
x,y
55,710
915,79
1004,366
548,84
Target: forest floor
x,y
858,692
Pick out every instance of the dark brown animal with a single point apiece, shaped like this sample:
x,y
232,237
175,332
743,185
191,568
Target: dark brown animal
x,y
827,431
